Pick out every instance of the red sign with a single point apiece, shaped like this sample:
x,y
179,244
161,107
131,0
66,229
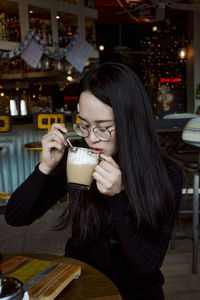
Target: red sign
x,y
172,80
70,98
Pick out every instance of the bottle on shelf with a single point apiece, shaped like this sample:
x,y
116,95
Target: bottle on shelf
x,y
16,28
49,34
4,29
0,28
198,92
43,29
9,28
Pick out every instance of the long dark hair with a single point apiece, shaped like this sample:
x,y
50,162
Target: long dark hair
x,y
139,155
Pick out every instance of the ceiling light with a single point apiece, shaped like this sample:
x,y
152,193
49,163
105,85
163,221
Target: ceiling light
x,y
101,47
154,28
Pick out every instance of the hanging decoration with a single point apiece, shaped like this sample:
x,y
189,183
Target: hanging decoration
x,y
17,51
32,54
76,52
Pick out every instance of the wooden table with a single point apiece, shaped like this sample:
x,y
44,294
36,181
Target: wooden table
x,y
92,284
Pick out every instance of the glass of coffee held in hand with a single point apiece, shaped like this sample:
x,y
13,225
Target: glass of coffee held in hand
x,y
81,163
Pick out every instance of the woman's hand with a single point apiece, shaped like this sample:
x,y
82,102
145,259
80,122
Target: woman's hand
x,y
108,176
53,147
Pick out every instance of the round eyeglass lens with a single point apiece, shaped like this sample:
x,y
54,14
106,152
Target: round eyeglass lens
x,y
80,130
102,133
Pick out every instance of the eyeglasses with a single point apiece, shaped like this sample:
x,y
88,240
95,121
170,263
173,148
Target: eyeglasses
x,y
101,133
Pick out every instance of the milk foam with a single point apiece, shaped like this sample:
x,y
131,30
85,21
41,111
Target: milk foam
x,y
81,157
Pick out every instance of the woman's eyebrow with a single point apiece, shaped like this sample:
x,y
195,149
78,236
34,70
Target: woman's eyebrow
x,y
96,121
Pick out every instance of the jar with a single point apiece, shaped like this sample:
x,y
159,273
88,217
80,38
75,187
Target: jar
x,y
10,288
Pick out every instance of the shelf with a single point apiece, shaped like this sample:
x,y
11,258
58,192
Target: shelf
x,y
71,15
18,79
28,119
23,75
6,45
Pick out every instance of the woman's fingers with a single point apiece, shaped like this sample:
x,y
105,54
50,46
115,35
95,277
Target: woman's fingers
x,y
60,127
109,159
101,178
108,164
108,176
55,145
56,135
60,130
107,173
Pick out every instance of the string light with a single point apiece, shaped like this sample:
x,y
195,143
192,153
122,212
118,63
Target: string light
x,y
69,78
182,53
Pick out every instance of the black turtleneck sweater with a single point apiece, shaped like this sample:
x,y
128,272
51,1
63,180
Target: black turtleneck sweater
x,y
133,262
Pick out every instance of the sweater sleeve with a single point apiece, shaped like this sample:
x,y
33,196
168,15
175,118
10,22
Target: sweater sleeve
x,y
144,254
35,196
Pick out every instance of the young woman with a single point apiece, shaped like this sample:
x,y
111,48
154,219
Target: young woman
x,y
123,224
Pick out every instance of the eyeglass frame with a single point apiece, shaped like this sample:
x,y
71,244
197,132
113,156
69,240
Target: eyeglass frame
x,y
93,129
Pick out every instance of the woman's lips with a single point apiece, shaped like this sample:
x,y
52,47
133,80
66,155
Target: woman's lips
x,y
98,150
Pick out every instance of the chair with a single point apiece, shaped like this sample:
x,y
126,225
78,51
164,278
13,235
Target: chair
x,y
180,116
191,135
3,195
5,123
45,120
171,135
3,198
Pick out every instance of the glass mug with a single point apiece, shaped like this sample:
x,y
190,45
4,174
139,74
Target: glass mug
x,y
81,163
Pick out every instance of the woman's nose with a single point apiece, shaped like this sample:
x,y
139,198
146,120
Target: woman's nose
x,y
92,137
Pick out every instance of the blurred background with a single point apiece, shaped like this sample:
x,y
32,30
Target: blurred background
x,y
158,39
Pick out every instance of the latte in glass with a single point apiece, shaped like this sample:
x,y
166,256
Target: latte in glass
x,y
81,163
